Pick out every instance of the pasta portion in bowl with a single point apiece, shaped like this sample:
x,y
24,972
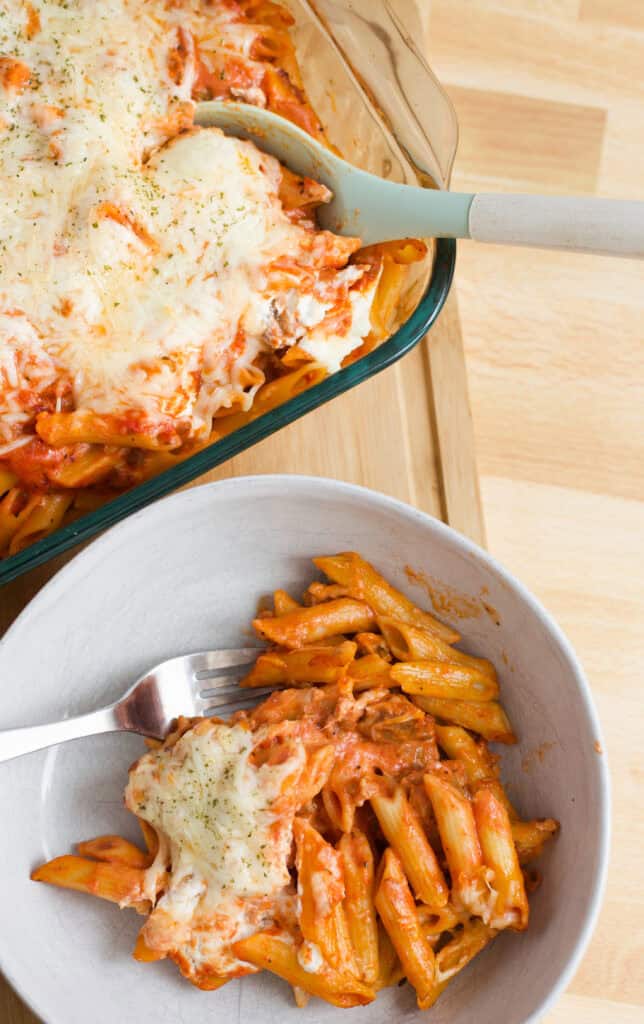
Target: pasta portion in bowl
x,y
350,831
165,283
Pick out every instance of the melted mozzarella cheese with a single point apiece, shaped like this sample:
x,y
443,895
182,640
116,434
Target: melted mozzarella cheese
x,y
218,813
133,269
310,958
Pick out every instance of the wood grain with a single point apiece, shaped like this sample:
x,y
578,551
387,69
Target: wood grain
x,y
502,141
556,370
615,14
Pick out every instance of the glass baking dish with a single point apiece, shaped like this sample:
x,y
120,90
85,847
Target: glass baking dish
x,y
385,111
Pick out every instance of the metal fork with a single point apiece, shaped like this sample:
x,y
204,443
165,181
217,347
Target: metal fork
x,y
195,684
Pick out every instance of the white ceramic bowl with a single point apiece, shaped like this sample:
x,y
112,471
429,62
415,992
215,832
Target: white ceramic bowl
x,y
185,575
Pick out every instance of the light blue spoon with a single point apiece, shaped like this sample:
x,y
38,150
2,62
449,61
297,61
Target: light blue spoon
x,y
376,210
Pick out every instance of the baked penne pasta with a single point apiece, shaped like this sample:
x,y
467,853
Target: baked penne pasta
x,y
359,907
445,680
277,953
453,957
487,718
499,854
7,480
366,584
15,509
413,643
262,833
283,603
309,625
461,844
397,910
115,849
305,665
201,302
113,881
276,393
530,837
390,970
60,429
370,672
316,773
45,517
403,831
320,890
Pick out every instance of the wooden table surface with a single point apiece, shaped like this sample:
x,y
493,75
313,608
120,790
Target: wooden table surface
x,y
549,95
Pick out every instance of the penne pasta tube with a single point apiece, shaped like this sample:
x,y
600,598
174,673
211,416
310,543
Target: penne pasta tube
x,y
487,718
301,997
402,251
206,981
390,971
115,882
480,764
373,643
495,835
7,480
321,891
115,850
88,468
444,679
413,643
316,593
339,807
404,833
366,584
370,673
280,390
300,667
144,954
359,907
435,921
150,836
43,519
284,603
15,509
460,745
496,786
460,841
397,910
530,837
84,427
300,193
295,357
308,625
278,954
458,953
386,303
316,773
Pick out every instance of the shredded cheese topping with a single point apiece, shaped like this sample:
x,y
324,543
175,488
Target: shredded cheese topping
x,y
218,810
226,828
137,264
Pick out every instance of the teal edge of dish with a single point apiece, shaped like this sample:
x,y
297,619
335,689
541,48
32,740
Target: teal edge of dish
x,y
423,317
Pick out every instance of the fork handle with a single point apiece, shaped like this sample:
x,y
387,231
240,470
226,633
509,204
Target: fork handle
x,y
14,742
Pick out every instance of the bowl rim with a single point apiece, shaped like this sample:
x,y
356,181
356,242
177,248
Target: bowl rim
x,y
280,483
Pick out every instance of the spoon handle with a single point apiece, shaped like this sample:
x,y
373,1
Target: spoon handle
x,y
611,227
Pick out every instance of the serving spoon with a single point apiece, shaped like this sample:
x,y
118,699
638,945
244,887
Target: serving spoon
x,y
377,210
